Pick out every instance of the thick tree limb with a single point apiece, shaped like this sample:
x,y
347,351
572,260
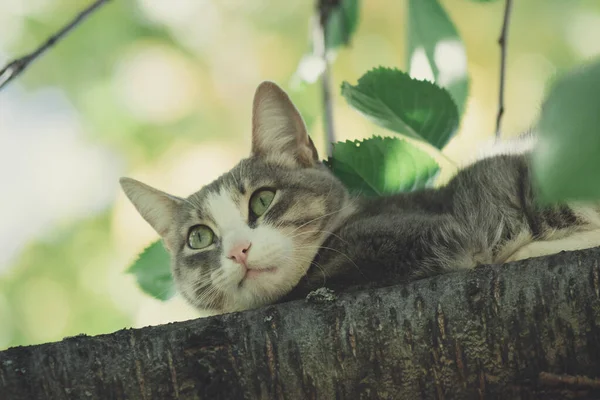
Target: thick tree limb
x,y
16,67
518,331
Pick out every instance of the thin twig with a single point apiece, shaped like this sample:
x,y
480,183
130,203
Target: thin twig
x,y
502,41
320,48
16,67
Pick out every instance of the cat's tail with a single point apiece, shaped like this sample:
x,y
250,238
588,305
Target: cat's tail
x,y
521,144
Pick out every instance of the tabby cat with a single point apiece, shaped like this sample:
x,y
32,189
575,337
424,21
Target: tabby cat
x,y
280,223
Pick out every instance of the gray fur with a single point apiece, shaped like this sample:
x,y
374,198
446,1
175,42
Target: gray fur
x,y
487,213
484,210
299,189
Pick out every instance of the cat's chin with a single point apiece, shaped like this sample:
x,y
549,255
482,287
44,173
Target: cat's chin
x,y
260,287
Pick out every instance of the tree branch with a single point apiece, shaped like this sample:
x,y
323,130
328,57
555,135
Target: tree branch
x,y
502,41
16,67
324,8
523,330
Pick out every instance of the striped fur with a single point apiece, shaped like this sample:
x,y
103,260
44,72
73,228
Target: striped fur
x,y
314,233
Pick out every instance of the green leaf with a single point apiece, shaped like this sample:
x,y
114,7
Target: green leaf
x,y
392,99
342,23
566,160
435,47
379,166
153,273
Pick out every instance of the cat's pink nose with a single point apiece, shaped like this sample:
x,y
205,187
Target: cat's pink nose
x,y
239,252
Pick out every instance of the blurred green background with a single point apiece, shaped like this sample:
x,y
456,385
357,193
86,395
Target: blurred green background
x,y
161,91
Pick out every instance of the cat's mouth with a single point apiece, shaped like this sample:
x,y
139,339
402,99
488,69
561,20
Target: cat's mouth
x,y
253,273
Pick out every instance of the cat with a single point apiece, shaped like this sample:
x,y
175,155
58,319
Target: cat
x,y
280,224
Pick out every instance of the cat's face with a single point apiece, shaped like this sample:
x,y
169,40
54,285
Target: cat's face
x,y
246,239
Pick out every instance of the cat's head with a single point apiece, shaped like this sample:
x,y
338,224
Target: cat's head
x,y
246,239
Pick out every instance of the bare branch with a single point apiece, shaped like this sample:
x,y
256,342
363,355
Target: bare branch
x,y
320,48
16,67
502,41
328,109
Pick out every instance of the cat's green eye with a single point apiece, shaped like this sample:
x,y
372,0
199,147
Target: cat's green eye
x,y
261,200
200,236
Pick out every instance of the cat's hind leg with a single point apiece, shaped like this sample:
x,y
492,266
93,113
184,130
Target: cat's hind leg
x,y
575,241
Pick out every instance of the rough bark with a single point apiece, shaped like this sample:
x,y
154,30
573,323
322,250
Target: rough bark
x,y
518,331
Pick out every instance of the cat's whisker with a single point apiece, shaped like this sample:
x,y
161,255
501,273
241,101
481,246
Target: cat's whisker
x,y
191,203
209,296
337,251
220,279
199,285
162,293
322,216
311,262
212,299
315,231
207,275
194,203
242,170
234,179
197,293
206,286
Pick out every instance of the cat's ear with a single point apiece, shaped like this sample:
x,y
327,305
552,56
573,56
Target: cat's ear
x,y
278,131
156,207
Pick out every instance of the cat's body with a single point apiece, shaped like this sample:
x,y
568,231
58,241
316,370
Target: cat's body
x,y
280,223
486,214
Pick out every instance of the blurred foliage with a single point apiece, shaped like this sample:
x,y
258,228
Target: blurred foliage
x,y
133,61
58,285
429,27
566,162
342,22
